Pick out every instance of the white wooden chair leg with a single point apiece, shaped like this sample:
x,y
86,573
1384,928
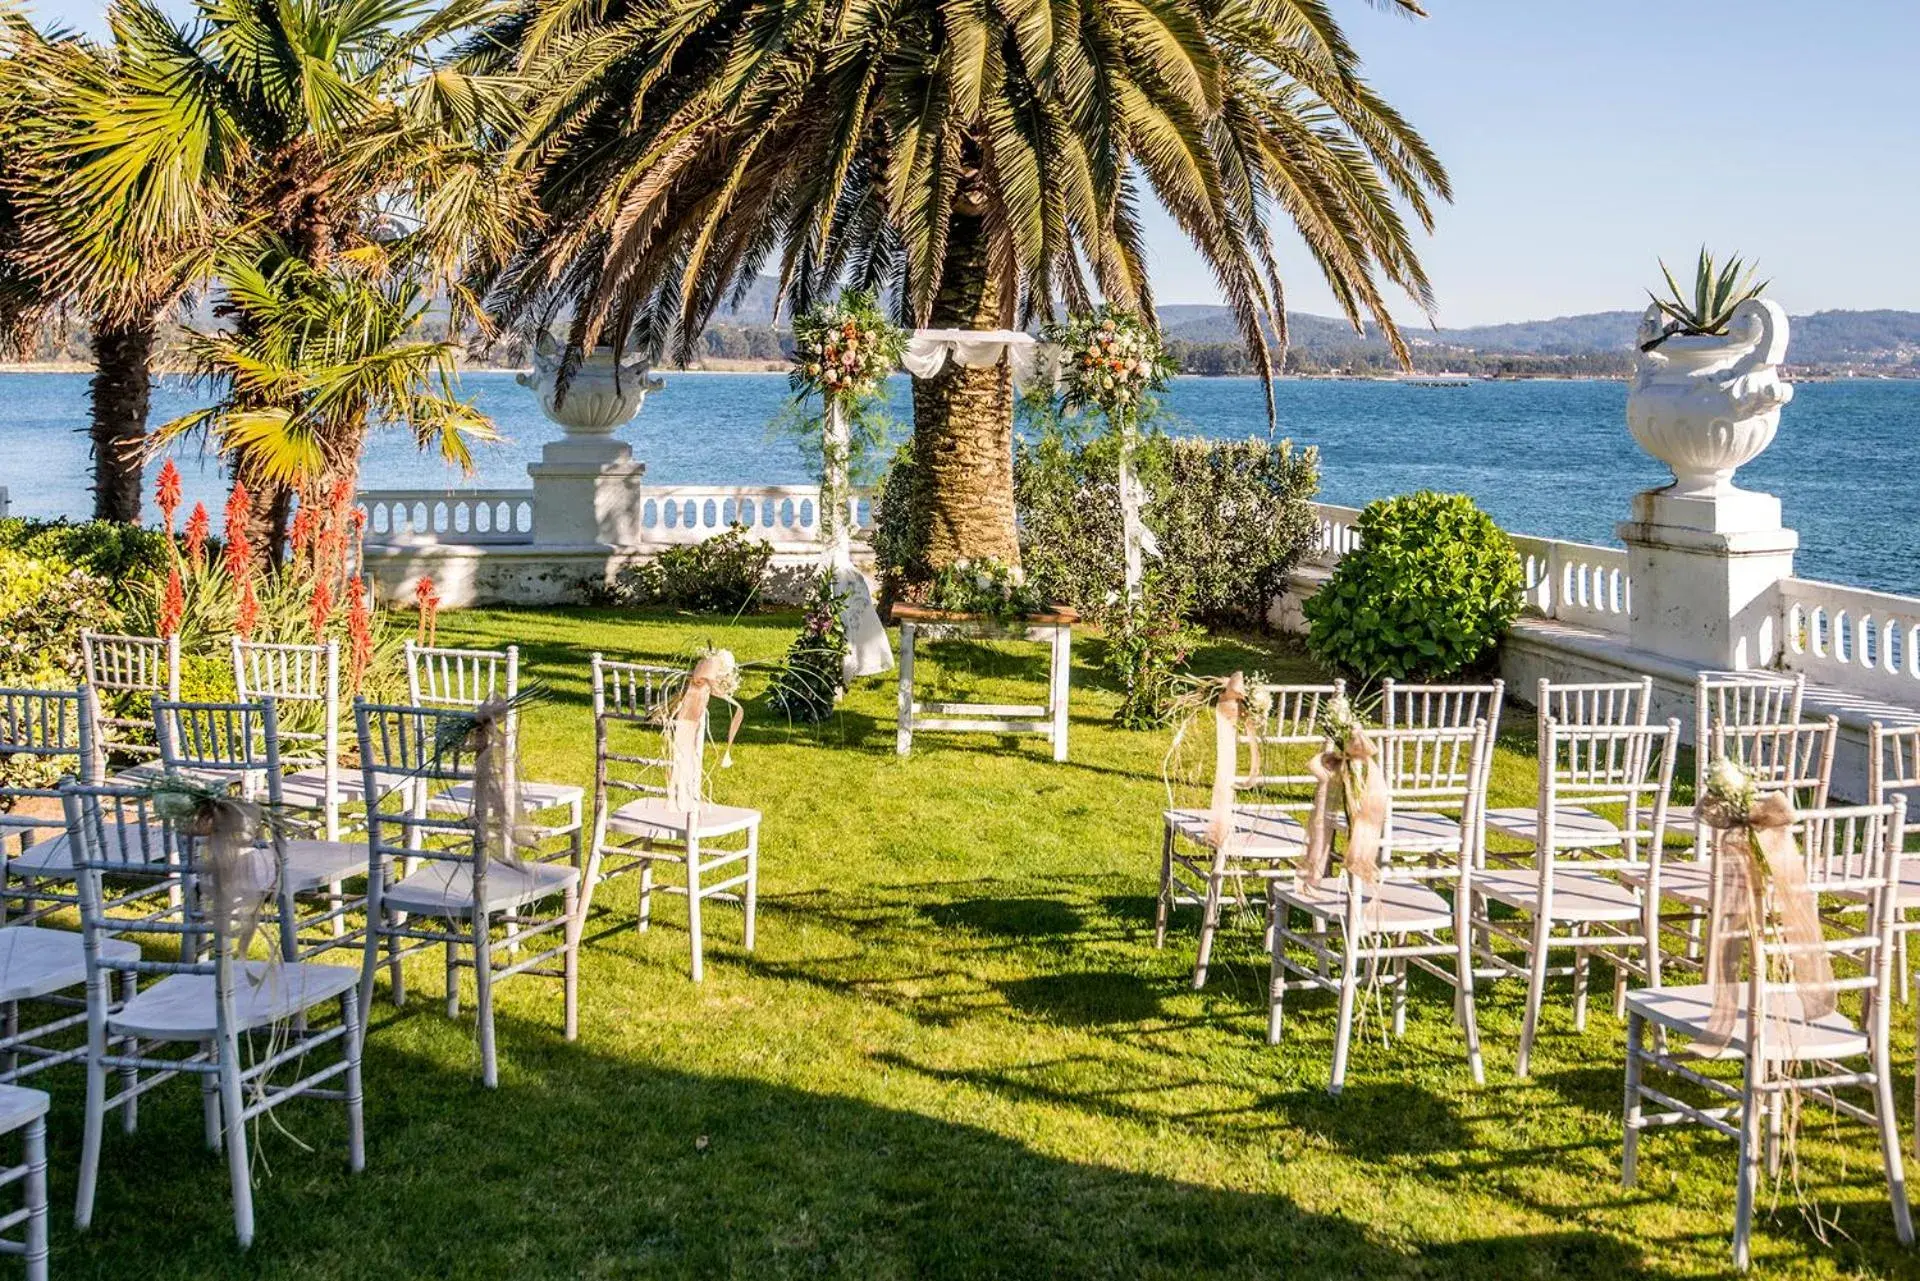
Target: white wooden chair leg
x,y
1276,985
1889,1125
483,997
1343,1027
570,967
693,906
1209,925
355,1102
1163,902
35,1245
129,1076
645,915
453,980
1463,991
752,900
1400,996
1747,1172
232,1112
1536,993
1630,1112
1582,967
210,1102
91,1134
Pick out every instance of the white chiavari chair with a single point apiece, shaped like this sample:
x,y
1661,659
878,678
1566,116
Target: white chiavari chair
x,y
241,1026
124,675
1739,700
24,1112
631,703
1364,934
1280,732
42,967
438,676
1595,702
240,742
491,914
1850,853
1572,895
1406,705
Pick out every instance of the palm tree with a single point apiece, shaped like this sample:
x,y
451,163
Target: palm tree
x,y
43,85
313,358
322,126
982,161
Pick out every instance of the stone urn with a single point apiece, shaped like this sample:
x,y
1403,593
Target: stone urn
x,y
1707,404
605,392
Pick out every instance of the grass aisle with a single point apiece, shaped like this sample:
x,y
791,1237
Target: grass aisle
x,y
955,1053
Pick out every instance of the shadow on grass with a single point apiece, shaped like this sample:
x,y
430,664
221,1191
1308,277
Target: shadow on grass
x,y
1085,998
1007,917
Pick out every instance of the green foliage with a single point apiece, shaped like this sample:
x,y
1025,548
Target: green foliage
x,y
810,680
988,587
721,575
900,530
44,606
119,553
1428,593
1068,494
1147,642
1716,292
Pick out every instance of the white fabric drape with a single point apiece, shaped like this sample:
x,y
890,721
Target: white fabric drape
x,y
928,350
869,649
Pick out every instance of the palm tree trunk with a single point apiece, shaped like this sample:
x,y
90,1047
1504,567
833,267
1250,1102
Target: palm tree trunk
x,y
963,420
121,391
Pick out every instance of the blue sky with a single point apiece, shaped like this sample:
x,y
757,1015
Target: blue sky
x,y
1585,140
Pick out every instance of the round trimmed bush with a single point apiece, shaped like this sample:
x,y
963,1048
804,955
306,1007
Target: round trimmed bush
x,y
1428,593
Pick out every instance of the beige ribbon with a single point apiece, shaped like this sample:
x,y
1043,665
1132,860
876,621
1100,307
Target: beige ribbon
x,y
1763,887
1354,770
1228,709
496,785
686,776
235,882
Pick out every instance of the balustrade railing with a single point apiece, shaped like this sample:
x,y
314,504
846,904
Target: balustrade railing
x,y
668,515
1850,637
413,517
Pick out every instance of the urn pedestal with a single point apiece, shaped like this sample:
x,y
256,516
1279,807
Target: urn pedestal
x,y
586,486
1704,554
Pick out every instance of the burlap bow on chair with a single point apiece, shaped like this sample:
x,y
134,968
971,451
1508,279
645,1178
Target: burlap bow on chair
x,y
715,675
1762,892
1348,765
234,881
496,782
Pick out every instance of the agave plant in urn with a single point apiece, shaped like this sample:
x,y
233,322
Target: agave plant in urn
x,y
1706,392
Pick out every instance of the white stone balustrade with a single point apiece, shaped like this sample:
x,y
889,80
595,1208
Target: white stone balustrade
x,y
423,517
1858,640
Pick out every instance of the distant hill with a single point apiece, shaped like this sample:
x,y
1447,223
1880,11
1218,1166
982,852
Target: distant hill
x,y
1872,338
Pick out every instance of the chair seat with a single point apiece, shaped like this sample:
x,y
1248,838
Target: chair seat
x,y
1574,827
1264,831
180,1007
53,857
1577,895
147,773
37,962
313,865
307,788
1790,1036
652,816
1422,831
1390,907
446,889
534,797
1684,882
19,1105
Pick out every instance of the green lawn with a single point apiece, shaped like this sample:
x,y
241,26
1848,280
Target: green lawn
x,y
955,1053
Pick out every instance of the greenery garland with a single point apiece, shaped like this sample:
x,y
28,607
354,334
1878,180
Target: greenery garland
x,y
843,352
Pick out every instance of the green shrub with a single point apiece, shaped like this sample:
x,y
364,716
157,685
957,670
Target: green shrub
x,y
811,680
719,576
120,554
44,606
1146,644
1232,519
900,532
1428,593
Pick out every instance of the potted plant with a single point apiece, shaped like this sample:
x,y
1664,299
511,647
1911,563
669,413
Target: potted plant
x,y
1706,391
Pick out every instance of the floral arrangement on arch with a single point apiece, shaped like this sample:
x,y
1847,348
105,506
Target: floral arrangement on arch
x,y
1109,361
843,352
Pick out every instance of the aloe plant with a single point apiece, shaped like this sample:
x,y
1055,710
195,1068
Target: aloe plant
x,y
1715,294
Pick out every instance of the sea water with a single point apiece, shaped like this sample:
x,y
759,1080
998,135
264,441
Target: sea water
x,y
1546,457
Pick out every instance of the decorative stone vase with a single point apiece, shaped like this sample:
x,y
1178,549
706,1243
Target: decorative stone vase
x,y
605,392
1706,405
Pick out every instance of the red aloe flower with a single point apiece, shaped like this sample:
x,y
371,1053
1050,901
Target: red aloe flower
x,y
428,601
248,615
167,492
359,632
197,528
173,605
300,531
322,609
239,553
